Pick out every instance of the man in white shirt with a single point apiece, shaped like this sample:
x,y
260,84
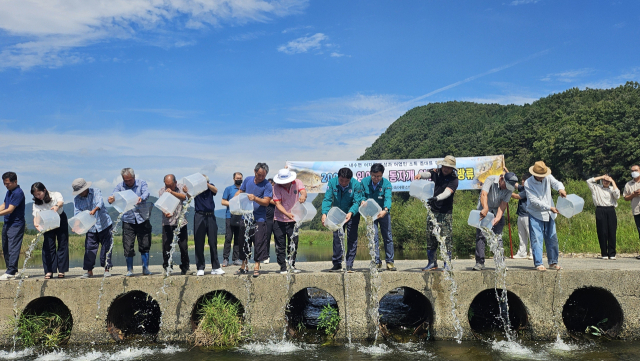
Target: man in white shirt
x,y
542,214
632,193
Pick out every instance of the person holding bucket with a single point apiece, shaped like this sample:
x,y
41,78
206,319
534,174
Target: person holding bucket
x,y
234,225
53,260
99,235
287,191
542,214
170,223
378,188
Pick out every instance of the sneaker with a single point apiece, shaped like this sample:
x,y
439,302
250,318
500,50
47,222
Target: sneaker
x,y
6,277
350,269
87,274
478,267
530,256
146,272
200,272
129,274
106,273
520,255
283,271
336,267
613,258
217,271
604,257
294,269
237,262
265,261
391,267
225,263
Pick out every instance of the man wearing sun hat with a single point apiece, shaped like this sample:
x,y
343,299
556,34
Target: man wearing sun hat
x,y
90,199
494,197
287,191
542,214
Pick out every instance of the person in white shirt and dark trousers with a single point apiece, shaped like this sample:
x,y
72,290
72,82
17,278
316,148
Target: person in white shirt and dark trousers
x,y
605,198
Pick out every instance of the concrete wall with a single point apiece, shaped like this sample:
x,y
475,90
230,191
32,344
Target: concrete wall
x,y
264,299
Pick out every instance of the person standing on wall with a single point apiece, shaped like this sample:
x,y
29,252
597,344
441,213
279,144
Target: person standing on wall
x,y
53,260
205,225
271,209
13,228
234,226
523,220
605,197
446,183
378,188
286,193
632,193
344,192
135,222
170,223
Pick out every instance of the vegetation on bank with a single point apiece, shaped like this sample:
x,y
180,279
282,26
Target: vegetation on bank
x,y
219,322
47,329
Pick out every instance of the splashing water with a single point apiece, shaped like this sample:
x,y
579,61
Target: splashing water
x,y
290,260
345,285
374,275
558,288
249,224
113,233
448,272
495,244
16,313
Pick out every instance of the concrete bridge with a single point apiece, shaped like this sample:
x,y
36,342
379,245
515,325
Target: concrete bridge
x,y
540,303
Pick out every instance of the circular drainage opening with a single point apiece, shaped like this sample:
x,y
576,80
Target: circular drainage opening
x,y
217,320
133,313
486,314
406,315
312,315
45,321
592,312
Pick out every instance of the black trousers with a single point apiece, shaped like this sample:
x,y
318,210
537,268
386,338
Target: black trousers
x,y
283,232
637,219
92,240
235,234
204,225
56,260
271,230
167,239
131,231
606,225
257,238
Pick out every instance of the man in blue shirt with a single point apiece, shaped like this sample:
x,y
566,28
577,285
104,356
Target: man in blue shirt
x,y
260,191
204,224
344,192
135,223
379,189
13,229
234,225
90,199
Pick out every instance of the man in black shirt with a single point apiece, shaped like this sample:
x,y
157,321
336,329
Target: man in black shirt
x,y
446,183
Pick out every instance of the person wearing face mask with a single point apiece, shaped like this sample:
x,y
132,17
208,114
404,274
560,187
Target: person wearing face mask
x,y
605,198
632,193
53,260
234,226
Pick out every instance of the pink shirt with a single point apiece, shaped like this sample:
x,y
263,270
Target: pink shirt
x,y
287,198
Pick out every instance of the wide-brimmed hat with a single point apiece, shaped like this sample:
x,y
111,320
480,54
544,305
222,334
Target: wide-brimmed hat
x,y
510,179
284,176
448,161
539,169
80,185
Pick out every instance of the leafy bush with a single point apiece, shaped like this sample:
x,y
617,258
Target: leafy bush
x,y
329,320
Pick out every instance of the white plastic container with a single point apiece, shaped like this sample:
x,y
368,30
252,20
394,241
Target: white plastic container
x,y
82,222
303,212
196,184
422,189
124,201
240,204
370,208
570,206
474,219
335,219
167,203
47,220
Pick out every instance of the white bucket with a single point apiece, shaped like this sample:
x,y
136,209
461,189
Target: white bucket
x,y
124,201
47,220
335,219
167,203
474,219
370,208
82,222
570,206
303,212
240,204
196,184
422,189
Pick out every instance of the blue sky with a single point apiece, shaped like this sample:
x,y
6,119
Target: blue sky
x,y
183,86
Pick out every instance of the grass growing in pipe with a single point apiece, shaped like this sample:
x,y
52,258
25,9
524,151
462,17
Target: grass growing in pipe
x,y
220,322
47,329
329,320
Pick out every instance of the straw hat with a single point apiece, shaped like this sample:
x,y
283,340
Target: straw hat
x,y
80,185
448,161
284,176
539,169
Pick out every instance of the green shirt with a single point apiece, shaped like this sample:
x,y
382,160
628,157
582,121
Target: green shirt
x,y
382,193
348,200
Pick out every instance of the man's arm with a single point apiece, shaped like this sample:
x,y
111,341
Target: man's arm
x,y
212,188
282,210
2,207
144,190
484,203
557,185
500,212
8,210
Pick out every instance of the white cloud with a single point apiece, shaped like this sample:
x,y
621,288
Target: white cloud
x,y
288,30
336,55
568,76
45,32
247,36
303,44
523,2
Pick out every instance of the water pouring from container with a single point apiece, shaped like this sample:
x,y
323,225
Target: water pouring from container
x,y
240,205
336,218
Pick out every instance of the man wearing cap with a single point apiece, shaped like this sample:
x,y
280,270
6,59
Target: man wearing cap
x,y
287,191
494,197
542,214
344,192
170,224
135,223
13,228
446,183
99,235
379,189
204,224
632,193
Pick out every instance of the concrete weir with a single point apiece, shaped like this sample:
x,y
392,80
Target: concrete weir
x,y
541,304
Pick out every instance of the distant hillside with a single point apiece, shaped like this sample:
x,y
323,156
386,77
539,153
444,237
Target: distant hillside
x,y
578,133
156,217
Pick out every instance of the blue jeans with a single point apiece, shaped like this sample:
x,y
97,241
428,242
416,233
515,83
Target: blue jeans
x,y
385,229
540,231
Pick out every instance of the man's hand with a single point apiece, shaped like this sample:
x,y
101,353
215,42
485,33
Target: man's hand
x,y
290,215
251,197
185,189
168,215
362,203
139,200
563,193
418,176
483,212
495,221
554,210
348,217
302,198
636,193
324,217
382,214
93,212
111,199
54,208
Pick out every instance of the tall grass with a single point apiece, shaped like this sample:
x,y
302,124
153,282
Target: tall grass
x,y
220,322
47,329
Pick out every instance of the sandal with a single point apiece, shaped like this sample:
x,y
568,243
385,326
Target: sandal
x,y
555,267
60,275
256,273
541,268
638,257
241,271
48,276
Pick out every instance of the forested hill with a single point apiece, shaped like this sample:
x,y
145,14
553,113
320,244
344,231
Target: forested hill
x,y
577,133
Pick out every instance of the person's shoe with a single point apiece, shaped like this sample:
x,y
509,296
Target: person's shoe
x,y
529,256
265,261
379,265
129,274
200,272
129,265
433,262
145,264
237,262
146,272
350,269
217,271
283,271
106,273
478,267
604,257
520,255
184,271
225,263
336,267
7,277
613,258
294,269
391,267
